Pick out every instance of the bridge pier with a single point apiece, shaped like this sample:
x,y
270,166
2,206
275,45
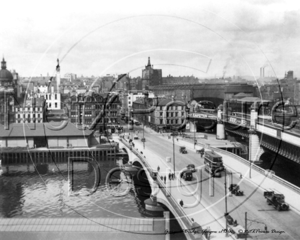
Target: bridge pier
x,y
254,144
220,125
193,126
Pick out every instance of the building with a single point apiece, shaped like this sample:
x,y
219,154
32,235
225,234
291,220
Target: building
x,y
151,76
284,89
32,111
179,80
44,135
168,113
133,95
84,108
50,92
70,76
212,92
8,85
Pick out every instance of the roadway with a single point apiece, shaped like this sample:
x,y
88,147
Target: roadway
x,y
253,202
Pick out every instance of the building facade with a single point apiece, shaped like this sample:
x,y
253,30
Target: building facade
x,y
85,107
32,111
8,95
151,76
168,113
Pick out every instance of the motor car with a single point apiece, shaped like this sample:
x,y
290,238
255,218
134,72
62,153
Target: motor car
x,y
235,189
135,137
187,175
182,150
277,200
191,167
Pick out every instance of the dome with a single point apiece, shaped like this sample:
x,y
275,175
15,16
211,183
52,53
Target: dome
x,y
5,75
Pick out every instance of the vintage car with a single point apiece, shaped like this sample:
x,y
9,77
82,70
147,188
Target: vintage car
x,y
235,189
277,200
182,150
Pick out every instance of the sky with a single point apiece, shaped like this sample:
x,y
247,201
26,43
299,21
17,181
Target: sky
x,y
200,38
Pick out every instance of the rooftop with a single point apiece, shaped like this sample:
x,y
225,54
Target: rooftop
x,y
64,129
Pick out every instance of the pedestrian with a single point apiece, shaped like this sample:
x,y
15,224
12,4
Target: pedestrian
x,y
165,179
181,203
158,168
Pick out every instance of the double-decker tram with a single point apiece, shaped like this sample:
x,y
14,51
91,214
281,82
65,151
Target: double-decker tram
x,y
213,163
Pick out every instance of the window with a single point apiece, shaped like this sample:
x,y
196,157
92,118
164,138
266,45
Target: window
x,y
16,109
19,116
49,96
55,96
55,105
46,96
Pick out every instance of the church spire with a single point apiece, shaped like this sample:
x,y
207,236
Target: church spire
x,y
149,64
3,64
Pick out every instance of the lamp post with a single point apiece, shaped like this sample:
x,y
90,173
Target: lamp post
x,y
194,135
173,154
226,213
246,222
226,209
250,166
144,135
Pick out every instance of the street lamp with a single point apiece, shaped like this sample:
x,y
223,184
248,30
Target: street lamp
x,y
194,135
246,219
250,166
225,186
226,213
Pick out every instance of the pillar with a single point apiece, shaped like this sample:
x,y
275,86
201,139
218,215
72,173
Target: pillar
x,y
220,125
167,225
193,127
254,146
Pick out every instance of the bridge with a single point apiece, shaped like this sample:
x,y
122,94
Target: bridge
x,y
208,210
263,131
163,191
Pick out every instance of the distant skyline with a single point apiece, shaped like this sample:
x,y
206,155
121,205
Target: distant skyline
x,y
203,39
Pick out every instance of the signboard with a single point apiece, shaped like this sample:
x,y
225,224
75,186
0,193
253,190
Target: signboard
x,y
238,121
201,115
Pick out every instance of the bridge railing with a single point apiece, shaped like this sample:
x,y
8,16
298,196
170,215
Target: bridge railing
x,y
269,122
260,170
186,220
